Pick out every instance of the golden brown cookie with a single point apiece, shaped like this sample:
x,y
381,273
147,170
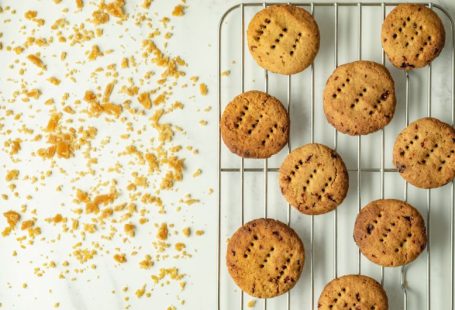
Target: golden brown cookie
x,y
424,153
255,125
283,38
353,292
359,98
390,232
412,36
314,179
265,258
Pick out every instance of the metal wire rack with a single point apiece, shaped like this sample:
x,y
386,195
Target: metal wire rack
x,y
241,170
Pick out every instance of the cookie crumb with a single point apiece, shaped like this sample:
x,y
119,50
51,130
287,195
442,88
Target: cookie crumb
x,y
36,60
203,89
163,232
197,173
120,258
179,10
186,231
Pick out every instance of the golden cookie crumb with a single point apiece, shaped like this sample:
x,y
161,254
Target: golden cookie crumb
x,y
95,53
100,17
179,10
146,263
36,60
34,93
140,292
114,8
162,232
179,246
130,229
203,89
120,258
144,100
12,218
12,175
30,14
146,4
54,80
186,231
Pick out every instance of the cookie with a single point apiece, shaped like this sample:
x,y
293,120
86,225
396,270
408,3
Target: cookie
x,y
359,98
255,125
283,38
353,292
314,179
424,153
412,36
265,258
390,232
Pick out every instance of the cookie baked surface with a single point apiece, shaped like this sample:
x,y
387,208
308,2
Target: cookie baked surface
x,y
283,38
412,36
255,125
424,153
390,232
265,258
359,98
353,292
314,179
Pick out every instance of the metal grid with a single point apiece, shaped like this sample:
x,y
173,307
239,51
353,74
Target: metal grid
x,y
266,169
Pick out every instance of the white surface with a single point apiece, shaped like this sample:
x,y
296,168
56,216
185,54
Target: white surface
x,y
195,38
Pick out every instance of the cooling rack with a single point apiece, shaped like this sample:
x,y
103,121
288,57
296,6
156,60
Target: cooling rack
x,y
358,173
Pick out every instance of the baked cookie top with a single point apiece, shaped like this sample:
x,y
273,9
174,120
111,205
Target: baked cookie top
x,y
353,292
255,125
390,232
283,38
265,258
314,179
424,153
412,36
359,98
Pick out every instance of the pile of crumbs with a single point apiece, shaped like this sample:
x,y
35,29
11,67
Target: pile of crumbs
x,y
91,162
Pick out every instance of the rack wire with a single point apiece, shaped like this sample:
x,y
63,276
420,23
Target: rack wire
x,y
358,170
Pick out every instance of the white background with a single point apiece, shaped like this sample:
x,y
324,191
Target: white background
x,y
196,40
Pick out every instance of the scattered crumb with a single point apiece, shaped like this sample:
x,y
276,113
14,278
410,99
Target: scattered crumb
x,y
186,231
251,303
203,89
90,101
120,258
179,10
36,60
162,232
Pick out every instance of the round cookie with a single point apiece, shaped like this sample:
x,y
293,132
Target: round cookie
x,y
283,38
353,292
390,232
412,36
314,179
359,98
265,258
424,153
255,125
